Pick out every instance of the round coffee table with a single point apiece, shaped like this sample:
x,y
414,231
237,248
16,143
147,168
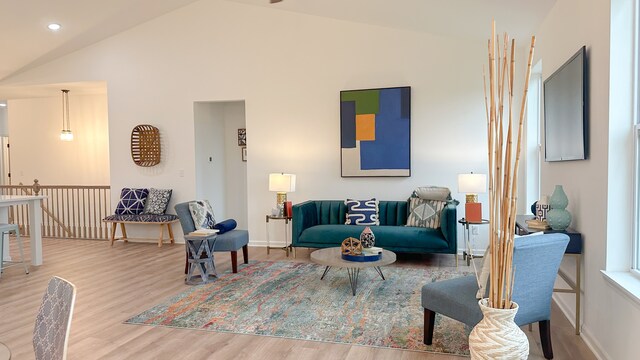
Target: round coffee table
x,y
332,257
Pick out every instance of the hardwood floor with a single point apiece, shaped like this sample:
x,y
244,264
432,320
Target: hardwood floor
x,y
116,283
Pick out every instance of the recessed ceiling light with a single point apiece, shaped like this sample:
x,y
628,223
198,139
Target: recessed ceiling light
x,y
54,27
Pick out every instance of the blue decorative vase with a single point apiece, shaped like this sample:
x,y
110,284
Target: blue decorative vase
x,y
558,218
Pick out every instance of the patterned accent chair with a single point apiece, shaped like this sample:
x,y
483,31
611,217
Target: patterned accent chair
x,y
230,241
536,260
51,331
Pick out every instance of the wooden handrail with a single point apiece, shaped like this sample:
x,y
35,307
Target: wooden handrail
x,y
68,211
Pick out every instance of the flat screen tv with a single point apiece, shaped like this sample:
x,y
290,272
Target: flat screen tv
x,y
566,111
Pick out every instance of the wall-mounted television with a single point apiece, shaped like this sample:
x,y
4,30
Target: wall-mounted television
x,y
566,111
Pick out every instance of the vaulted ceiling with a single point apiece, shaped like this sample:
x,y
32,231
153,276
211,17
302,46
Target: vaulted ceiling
x,y
25,41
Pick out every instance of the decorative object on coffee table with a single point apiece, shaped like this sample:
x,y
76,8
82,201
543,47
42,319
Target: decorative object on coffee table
x,y
558,217
351,246
503,190
367,238
145,145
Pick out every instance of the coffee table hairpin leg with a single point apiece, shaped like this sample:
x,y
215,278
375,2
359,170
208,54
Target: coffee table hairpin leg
x,y
326,270
379,272
353,278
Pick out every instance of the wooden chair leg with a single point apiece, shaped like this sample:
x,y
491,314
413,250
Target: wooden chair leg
x,y
113,232
234,261
161,236
124,232
171,239
186,262
245,253
429,322
545,338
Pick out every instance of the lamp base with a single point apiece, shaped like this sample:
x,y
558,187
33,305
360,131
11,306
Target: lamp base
x,y
281,198
473,212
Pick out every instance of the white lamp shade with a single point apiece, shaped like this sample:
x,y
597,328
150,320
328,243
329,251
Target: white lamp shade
x,y
472,183
282,182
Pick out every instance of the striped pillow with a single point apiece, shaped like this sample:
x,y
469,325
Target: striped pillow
x,y
362,212
425,213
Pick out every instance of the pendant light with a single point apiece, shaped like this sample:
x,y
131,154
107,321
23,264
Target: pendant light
x,y
65,134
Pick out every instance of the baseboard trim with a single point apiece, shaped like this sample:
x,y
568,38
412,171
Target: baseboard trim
x,y
588,338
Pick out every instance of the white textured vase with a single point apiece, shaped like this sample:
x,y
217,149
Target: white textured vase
x,y
497,336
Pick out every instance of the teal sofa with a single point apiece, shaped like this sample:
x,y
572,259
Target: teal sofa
x,y
320,224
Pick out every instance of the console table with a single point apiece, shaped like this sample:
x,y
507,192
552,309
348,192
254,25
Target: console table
x,y
574,249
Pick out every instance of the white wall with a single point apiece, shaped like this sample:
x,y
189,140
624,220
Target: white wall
x,y
290,80
37,151
235,169
210,155
611,322
4,121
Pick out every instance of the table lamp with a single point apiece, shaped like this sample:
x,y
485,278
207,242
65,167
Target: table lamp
x,y
472,184
282,184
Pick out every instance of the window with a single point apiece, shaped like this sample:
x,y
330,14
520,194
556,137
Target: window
x,y
636,245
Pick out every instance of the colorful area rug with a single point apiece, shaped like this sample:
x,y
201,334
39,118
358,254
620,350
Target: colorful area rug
x,y
288,299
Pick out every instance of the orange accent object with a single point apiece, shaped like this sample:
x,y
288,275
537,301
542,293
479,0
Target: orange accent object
x,y
288,209
473,212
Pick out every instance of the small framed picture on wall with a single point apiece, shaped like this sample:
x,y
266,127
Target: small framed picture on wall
x,y
242,137
244,153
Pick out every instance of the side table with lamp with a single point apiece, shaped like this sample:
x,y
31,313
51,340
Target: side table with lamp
x,y
281,183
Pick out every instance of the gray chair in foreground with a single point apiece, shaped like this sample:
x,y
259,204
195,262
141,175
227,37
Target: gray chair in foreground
x,y
536,260
51,331
231,241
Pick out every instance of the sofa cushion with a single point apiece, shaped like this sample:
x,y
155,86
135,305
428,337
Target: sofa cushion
x,y
425,213
146,218
131,201
362,212
386,236
202,214
157,201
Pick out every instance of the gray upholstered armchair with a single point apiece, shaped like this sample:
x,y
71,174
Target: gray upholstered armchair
x,y
536,260
230,241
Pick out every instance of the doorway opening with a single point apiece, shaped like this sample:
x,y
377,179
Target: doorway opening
x,y
220,158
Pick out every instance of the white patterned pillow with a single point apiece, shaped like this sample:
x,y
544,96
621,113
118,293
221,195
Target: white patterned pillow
x,y
157,201
425,213
362,212
202,214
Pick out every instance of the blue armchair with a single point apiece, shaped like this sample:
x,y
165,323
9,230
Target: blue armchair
x,y
536,260
230,241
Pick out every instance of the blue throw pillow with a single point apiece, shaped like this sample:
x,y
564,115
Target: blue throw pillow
x,y
225,226
362,212
131,201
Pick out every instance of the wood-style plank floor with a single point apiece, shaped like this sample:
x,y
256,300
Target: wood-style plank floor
x,y
117,282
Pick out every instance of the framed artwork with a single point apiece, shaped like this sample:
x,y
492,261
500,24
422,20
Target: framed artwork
x,y
244,153
242,137
375,132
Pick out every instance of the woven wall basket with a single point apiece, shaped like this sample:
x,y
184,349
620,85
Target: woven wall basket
x,y
145,145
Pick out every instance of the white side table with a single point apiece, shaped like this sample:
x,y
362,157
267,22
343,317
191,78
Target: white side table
x,y
287,242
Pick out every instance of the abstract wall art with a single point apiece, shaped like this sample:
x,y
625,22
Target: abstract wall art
x,y
375,132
